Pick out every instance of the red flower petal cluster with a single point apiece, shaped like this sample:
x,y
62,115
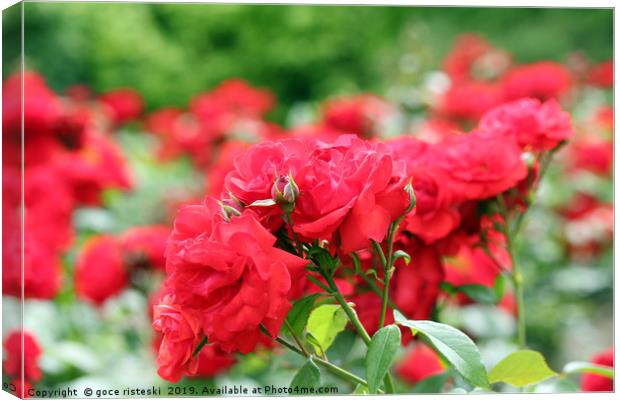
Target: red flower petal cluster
x,y
231,273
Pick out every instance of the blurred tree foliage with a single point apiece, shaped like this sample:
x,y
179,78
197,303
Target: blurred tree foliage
x,y
169,52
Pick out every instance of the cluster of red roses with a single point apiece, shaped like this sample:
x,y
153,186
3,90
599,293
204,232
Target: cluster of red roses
x,y
23,354
67,162
482,77
228,272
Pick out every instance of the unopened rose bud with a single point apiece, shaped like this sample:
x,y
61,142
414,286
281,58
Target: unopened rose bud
x,y
284,190
412,198
231,208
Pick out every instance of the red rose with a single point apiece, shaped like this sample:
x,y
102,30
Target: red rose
x,y
180,330
470,100
100,272
361,115
350,186
602,74
123,104
420,363
145,245
596,383
232,274
479,167
532,124
30,354
542,80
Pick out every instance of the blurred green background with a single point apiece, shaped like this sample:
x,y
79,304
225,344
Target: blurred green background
x,y
169,52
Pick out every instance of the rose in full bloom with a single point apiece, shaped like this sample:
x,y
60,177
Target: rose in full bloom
x,y
351,187
532,124
419,363
231,272
100,271
145,246
480,167
123,104
31,352
180,335
542,80
596,383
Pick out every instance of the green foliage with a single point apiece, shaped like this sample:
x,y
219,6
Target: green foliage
x,y
308,376
380,356
521,368
298,315
324,324
453,345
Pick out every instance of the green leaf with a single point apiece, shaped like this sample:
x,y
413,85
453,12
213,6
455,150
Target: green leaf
x,y
380,356
299,313
582,366
308,376
401,254
324,324
521,368
456,347
499,287
432,384
479,293
263,203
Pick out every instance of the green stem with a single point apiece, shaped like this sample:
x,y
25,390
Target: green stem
x,y
348,310
352,315
295,338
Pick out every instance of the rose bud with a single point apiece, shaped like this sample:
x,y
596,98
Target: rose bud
x,y
285,191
